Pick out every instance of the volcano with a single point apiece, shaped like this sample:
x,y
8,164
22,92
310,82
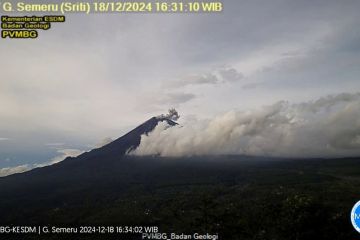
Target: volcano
x,y
103,167
222,195
125,143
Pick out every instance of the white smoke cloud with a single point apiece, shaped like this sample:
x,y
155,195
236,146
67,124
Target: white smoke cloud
x,y
327,127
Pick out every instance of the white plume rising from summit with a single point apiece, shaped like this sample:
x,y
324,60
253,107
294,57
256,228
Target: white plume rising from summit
x,y
327,127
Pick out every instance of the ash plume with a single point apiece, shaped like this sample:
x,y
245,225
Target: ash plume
x,y
172,115
327,127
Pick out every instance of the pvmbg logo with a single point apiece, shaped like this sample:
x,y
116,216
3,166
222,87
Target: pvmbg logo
x,y
355,216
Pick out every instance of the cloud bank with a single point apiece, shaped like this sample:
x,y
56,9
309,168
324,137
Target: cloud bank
x,y
327,127
12,170
64,153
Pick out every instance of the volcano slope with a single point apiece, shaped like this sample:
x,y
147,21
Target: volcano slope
x,y
237,197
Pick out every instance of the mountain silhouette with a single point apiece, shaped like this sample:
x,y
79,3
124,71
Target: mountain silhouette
x,y
106,168
205,194
128,142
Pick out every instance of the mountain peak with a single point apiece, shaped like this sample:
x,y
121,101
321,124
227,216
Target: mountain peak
x,y
172,115
131,140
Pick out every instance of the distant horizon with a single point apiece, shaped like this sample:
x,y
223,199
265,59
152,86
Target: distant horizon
x,y
87,81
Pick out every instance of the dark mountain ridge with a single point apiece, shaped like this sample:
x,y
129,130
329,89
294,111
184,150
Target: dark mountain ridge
x,y
128,142
103,167
296,199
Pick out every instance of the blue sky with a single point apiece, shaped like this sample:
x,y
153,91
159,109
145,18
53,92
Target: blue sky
x,y
97,76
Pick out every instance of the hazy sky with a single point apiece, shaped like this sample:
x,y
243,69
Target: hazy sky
x,y
97,76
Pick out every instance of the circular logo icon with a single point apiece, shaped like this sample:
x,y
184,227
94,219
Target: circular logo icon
x,y
355,216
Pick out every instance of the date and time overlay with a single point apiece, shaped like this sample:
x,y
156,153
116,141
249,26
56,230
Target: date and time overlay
x,y
140,232
24,20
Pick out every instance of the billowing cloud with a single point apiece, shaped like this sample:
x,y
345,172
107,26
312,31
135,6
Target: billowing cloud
x,y
327,127
64,153
172,115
